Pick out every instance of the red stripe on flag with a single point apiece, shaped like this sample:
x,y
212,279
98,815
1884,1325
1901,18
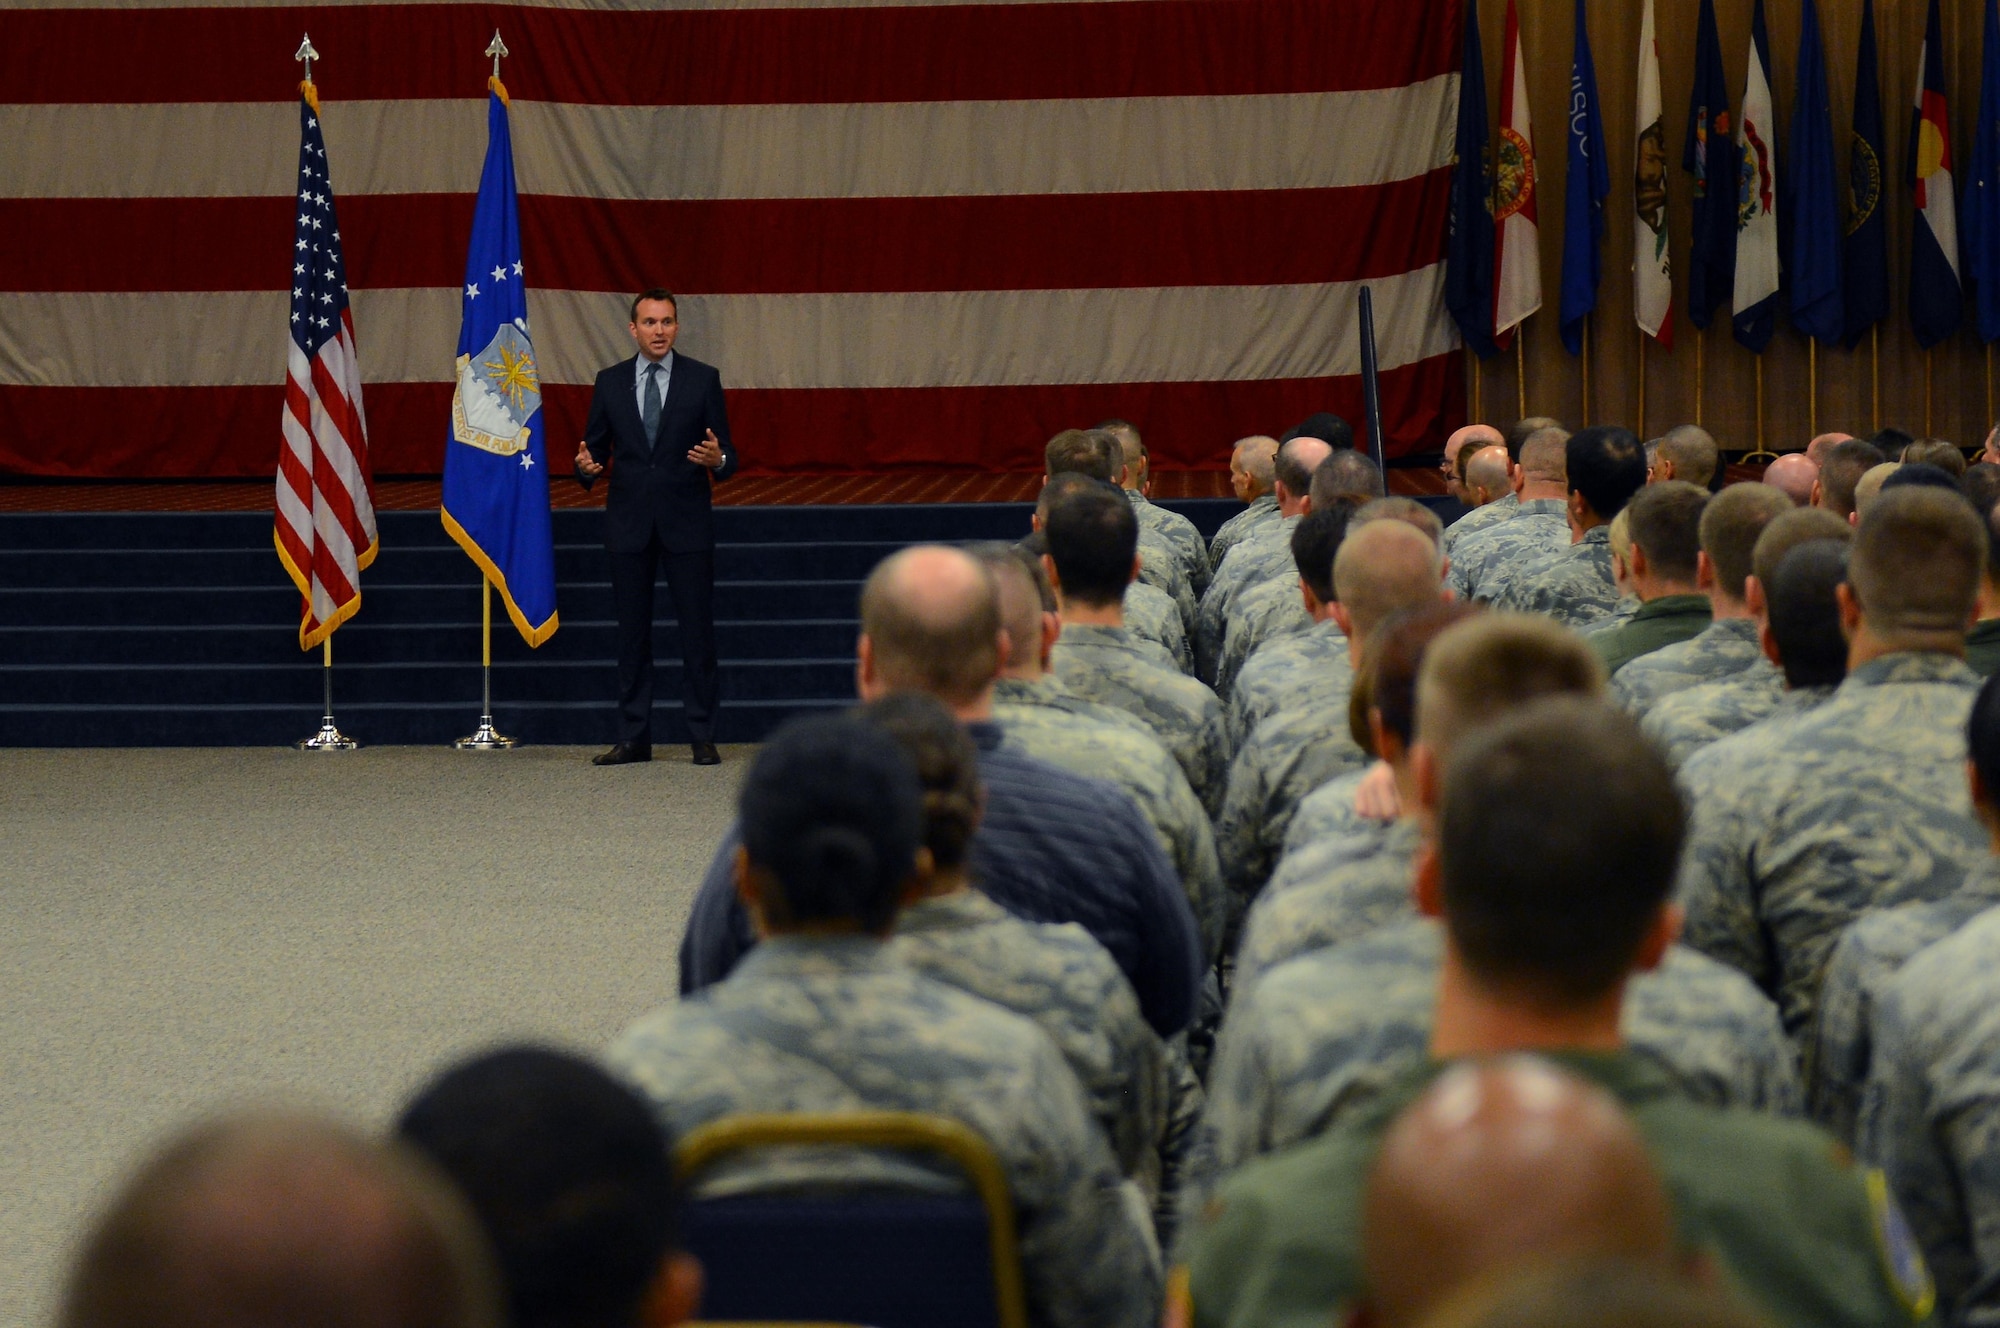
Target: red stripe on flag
x,y
779,431
1036,242
1143,48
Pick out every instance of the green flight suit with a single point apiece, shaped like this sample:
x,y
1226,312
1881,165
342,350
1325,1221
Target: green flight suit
x,y
1656,623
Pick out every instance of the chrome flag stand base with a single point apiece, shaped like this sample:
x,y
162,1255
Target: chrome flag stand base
x,y
329,738
484,739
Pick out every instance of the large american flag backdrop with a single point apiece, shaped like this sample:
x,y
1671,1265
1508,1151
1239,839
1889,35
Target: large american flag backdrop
x,y
908,234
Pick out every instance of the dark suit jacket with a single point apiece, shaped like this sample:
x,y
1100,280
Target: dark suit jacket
x,y
656,487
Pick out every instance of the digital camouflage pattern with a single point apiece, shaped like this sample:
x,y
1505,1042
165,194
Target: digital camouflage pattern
x,y
831,1024
1480,518
1179,533
1263,614
1284,759
1110,666
1930,1115
1871,951
1858,804
1572,585
1316,1038
1684,722
1328,812
1058,977
1160,568
1290,672
1263,555
1722,650
1151,613
1047,721
1336,891
1653,625
1259,512
1482,561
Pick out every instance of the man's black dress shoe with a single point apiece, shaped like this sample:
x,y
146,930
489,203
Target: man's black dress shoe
x,y
705,754
625,753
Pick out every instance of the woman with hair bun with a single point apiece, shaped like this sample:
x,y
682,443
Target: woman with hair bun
x,y
821,1017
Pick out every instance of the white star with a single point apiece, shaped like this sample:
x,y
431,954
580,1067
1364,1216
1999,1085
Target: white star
x,y
303,219
299,267
306,171
311,123
329,274
517,267
499,274
336,235
315,222
326,299
320,199
472,292
302,244
298,291
320,321
527,462
295,318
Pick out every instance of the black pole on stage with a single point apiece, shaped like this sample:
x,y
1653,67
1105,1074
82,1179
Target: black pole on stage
x,y
1371,393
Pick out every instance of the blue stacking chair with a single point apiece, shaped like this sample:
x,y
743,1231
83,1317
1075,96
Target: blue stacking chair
x,y
876,1256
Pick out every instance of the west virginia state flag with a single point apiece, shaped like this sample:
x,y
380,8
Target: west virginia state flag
x,y
496,479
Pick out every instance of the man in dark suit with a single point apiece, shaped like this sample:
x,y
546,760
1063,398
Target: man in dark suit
x,y
658,421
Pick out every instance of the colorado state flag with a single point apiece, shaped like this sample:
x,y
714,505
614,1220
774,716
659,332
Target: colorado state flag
x,y
1934,289
496,479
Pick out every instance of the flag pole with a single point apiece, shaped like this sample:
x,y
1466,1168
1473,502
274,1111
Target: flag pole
x,y
484,738
1761,451
1478,412
1642,382
1812,388
1521,369
329,738
1927,394
1875,376
1586,371
1700,340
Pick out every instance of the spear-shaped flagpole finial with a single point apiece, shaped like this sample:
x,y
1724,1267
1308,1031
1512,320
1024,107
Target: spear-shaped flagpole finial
x,y
497,49
307,54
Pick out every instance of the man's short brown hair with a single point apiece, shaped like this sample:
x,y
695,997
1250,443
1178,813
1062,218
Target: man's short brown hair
x,y
1842,469
1918,560
1935,452
1089,452
655,293
1665,522
1693,451
1484,669
1788,530
950,650
1730,525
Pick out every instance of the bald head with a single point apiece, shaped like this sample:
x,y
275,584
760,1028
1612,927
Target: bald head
x,y
1462,443
1296,462
930,622
280,1219
1793,475
1486,476
1502,1165
1817,449
1252,466
1383,568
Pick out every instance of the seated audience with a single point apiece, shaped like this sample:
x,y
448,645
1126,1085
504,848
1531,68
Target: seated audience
x,y
1861,803
1456,463
573,1181
1175,529
1603,468
1315,660
1262,554
1504,507
261,1219
1097,455
1663,522
821,1018
1730,524
1149,612
1253,479
1483,560
1054,847
1542,935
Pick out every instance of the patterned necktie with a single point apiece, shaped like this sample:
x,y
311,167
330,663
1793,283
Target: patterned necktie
x,y
649,410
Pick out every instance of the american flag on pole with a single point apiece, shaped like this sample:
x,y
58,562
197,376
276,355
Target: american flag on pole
x,y
325,529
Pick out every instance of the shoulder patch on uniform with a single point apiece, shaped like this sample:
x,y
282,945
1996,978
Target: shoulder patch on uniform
x,y
1902,1259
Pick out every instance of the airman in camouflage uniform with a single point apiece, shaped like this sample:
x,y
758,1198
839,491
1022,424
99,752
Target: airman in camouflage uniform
x,y
1110,666
1160,568
1484,560
1152,614
833,1024
1328,813
1262,556
1045,720
1858,804
1179,534
1290,669
1723,649
1319,1036
1263,614
1572,585
1684,722
1929,1118
1870,953
1060,978
1478,519
1336,891
1261,512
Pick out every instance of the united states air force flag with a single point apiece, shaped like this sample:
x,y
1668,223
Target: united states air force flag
x,y
496,480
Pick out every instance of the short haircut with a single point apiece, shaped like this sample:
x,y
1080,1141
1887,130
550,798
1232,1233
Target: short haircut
x,y
1789,530
1935,452
832,811
258,1219
1665,521
1607,466
1621,536
1293,467
1870,487
569,1172
654,293
1918,560
1730,526
1013,554
947,765
1316,542
1559,835
1259,456
1922,474
1693,451
1093,535
1408,511
1805,613
1982,736
1383,568
1891,441
1486,470
1544,456
1346,473
1329,428
1124,430
1396,657
1842,469
1496,665
950,651
1023,590
1083,452
1522,429
1981,485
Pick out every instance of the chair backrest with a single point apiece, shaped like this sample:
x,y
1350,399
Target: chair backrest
x,y
884,1258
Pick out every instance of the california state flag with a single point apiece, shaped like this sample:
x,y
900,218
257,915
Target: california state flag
x,y
1517,267
1652,280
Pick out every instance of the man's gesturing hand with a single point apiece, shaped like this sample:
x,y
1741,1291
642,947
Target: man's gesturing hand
x,y
585,463
708,452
